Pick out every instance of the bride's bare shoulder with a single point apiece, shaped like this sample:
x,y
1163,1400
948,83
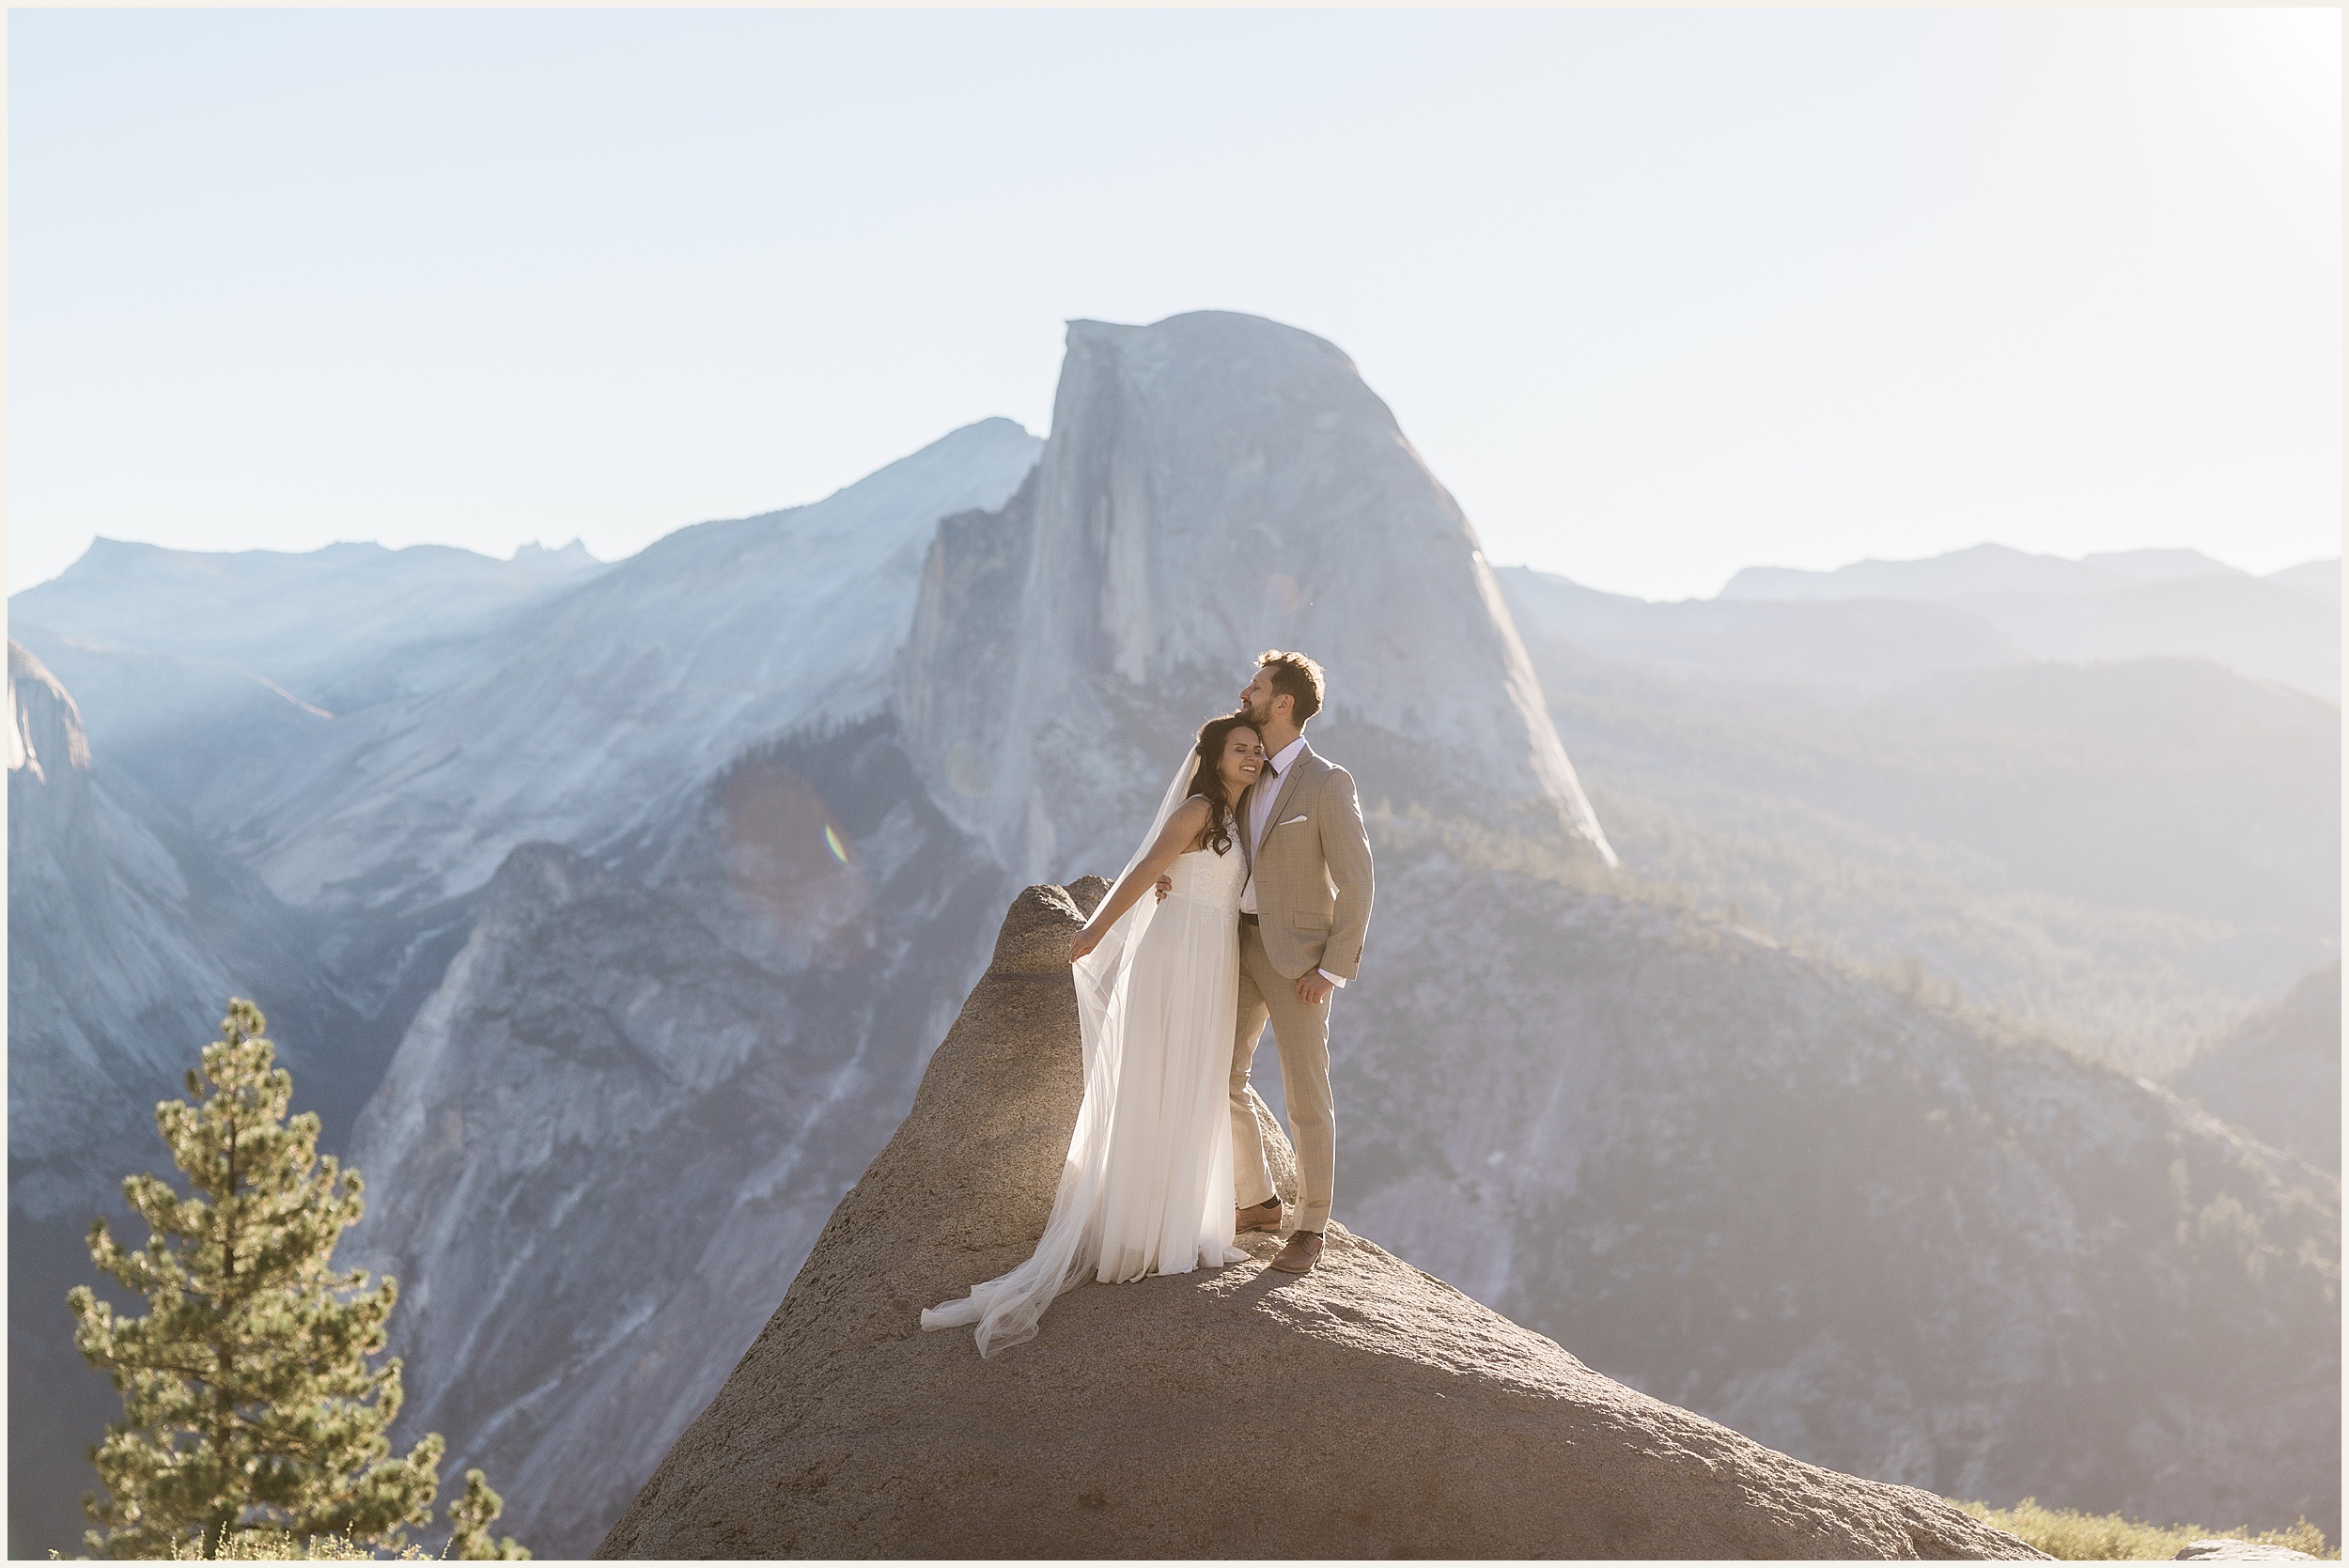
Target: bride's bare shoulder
x,y
1189,819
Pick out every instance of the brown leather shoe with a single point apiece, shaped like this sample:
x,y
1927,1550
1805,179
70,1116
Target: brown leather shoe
x,y
1300,1254
1263,1216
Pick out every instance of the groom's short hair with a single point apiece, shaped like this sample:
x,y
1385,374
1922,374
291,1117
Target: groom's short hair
x,y
1297,677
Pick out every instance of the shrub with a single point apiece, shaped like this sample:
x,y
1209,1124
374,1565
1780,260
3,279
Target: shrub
x,y
2077,1537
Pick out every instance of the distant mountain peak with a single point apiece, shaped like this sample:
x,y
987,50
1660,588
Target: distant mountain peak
x,y
1215,485
574,553
2317,579
2159,565
1989,568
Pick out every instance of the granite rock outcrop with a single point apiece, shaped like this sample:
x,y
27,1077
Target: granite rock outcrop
x,y
1214,485
1382,1411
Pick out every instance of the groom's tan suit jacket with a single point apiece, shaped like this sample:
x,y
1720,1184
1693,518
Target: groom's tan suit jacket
x,y
1312,871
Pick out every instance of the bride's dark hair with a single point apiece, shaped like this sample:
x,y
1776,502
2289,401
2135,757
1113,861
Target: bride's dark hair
x,y
1206,779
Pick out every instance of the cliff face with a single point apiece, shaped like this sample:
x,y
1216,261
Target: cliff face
x,y
1380,1411
643,720
98,933
127,936
1215,485
613,1130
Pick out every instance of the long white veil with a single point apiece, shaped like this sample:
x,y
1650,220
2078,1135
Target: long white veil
x,y
1006,1308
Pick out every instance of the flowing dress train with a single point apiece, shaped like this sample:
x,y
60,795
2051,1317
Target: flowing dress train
x,y
1148,1185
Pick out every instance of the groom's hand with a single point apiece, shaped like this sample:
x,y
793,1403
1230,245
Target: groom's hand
x,y
1163,886
1313,988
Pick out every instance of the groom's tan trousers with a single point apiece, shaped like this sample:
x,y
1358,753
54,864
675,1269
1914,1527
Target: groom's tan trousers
x,y
1302,1034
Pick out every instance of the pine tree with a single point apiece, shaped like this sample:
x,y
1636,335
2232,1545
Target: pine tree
x,y
248,1397
472,1515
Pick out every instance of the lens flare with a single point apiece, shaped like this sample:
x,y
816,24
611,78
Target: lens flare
x,y
791,868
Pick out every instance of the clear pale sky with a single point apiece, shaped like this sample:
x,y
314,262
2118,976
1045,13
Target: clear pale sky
x,y
1659,294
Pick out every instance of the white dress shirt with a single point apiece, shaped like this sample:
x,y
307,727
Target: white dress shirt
x,y
1259,818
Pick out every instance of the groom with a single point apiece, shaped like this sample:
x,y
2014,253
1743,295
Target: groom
x,y
1302,917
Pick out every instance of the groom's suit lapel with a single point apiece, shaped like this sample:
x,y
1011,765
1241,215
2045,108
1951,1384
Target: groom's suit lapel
x,y
1280,798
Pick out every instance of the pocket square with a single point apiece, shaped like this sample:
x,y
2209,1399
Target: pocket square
x,y
1285,824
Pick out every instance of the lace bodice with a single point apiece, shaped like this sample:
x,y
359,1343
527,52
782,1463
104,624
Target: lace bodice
x,y
1210,878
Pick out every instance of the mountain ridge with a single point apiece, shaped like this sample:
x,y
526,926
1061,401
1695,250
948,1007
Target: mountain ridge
x,y
1990,825
2278,1073
2124,604
591,729
1988,568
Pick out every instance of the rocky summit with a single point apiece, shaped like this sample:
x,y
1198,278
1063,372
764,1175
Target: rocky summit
x,y
1215,485
1366,1409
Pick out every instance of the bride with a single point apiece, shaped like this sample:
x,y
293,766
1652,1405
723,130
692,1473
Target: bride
x,y
1148,1187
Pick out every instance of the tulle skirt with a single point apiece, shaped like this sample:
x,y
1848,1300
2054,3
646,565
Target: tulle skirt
x,y
1148,1185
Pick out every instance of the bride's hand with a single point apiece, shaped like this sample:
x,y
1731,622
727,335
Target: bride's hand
x,y
1084,942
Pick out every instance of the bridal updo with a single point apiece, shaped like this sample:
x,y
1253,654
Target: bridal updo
x,y
1206,777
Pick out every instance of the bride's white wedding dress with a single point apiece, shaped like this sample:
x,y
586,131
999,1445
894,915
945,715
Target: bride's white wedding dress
x,y
1148,1187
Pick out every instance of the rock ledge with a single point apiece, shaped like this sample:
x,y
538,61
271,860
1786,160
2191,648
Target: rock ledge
x,y
1367,1409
